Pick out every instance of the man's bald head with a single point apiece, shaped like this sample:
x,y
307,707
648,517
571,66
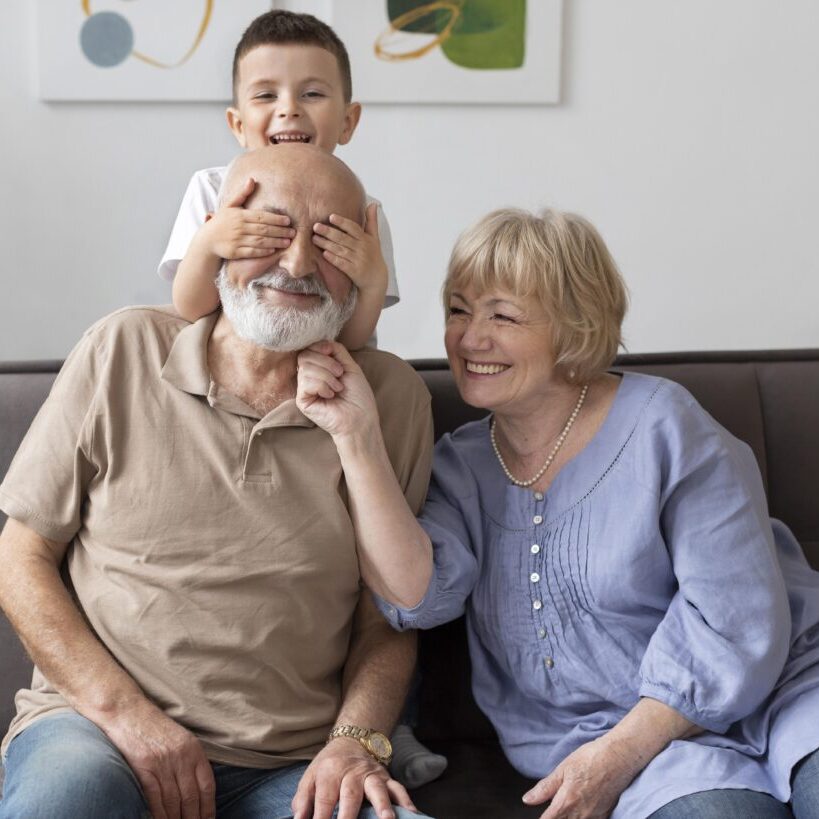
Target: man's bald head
x,y
298,171
294,296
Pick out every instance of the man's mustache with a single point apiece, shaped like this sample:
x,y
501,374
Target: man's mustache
x,y
280,279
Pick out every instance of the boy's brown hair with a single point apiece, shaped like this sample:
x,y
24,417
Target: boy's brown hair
x,y
287,28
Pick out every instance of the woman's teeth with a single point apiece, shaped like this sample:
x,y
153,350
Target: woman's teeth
x,y
485,369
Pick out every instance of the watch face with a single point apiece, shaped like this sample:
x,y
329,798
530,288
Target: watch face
x,y
379,744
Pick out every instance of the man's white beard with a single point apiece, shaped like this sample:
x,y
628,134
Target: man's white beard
x,y
283,329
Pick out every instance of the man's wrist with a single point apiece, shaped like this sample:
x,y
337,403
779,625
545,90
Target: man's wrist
x,y
376,744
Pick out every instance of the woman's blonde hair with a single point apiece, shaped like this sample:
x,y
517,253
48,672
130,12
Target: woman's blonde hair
x,y
561,260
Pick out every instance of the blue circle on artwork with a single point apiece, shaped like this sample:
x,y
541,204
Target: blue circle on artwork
x,y
106,39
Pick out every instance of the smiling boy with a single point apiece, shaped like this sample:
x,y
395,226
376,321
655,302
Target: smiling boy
x,y
291,83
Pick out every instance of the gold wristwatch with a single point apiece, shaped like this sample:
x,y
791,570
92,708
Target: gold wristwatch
x,y
373,742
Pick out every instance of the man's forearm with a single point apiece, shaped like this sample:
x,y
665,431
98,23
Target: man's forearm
x,y
377,674
52,629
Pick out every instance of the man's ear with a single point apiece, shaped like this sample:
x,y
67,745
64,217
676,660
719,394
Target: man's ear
x,y
351,117
234,121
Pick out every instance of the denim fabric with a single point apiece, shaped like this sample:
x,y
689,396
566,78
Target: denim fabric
x,y
724,804
805,796
64,767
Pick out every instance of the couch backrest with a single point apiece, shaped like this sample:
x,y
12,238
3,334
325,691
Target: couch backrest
x,y
769,399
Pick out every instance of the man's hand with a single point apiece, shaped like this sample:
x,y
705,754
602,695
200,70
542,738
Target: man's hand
x,y
236,233
342,774
333,392
588,783
167,760
354,250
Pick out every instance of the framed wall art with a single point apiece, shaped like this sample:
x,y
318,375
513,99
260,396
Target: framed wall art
x,y
452,51
139,49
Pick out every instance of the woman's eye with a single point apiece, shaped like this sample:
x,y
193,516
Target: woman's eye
x,y
457,311
502,317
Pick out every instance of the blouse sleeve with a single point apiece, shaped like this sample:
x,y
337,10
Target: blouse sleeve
x,y
723,642
450,518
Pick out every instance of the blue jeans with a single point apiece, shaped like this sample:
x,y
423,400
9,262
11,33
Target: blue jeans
x,y
742,804
64,767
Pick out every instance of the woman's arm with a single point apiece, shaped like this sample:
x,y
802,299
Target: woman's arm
x,y
395,553
588,782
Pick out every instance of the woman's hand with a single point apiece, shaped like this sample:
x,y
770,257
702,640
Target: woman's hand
x,y
588,783
333,392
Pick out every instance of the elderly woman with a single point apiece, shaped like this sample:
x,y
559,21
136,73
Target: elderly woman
x,y
643,638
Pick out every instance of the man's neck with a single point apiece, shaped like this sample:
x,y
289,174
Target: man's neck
x,y
261,378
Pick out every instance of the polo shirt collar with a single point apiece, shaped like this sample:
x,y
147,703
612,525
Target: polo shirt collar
x,y
186,368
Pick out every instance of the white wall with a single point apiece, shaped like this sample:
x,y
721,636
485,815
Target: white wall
x,y
688,133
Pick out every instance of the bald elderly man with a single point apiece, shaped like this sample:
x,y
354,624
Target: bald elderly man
x,y
180,560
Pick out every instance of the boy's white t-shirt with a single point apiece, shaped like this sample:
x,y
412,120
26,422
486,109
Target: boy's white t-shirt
x,y
202,197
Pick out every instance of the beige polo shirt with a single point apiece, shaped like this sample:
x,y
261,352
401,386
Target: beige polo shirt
x,y
211,549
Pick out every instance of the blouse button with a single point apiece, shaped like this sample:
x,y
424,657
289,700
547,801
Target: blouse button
x,y
537,605
541,632
549,662
535,549
537,519
534,577
538,495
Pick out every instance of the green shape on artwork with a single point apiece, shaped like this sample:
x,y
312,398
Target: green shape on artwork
x,y
432,23
489,34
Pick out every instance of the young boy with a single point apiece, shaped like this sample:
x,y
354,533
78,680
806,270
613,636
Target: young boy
x,y
291,82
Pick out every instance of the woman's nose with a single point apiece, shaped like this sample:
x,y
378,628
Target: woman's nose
x,y
476,336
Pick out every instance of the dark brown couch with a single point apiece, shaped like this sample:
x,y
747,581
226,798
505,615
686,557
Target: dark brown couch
x,y
769,399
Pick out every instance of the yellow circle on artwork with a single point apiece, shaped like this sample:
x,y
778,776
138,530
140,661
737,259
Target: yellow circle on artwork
x,y
203,27
411,16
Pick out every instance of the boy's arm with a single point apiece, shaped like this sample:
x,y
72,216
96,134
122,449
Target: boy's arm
x,y
360,327
194,288
356,251
231,233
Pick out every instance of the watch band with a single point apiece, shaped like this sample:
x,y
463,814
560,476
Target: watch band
x,y
364,737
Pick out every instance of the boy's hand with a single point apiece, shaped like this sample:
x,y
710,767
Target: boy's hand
x,y
354,250
236,233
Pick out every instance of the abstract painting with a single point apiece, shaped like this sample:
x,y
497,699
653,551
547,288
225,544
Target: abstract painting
x,y
452,51
139,49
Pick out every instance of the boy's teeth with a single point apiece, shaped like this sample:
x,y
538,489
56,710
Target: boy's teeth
x,y
277,138
485,369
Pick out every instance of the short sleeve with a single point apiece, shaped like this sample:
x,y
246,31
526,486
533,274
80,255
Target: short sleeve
x,y
723,642
201,197
385,237
48,479
451,519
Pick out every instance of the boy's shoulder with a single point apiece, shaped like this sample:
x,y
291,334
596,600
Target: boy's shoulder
x,y
209,178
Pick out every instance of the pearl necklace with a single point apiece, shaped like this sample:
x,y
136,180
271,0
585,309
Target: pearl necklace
x,y
560,439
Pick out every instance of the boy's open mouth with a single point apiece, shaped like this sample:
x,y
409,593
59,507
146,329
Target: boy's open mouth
x,y
289,136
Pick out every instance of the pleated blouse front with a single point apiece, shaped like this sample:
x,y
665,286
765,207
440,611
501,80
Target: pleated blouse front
x,y
650,567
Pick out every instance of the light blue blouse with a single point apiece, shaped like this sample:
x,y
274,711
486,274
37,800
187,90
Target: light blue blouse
x,y
649,568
